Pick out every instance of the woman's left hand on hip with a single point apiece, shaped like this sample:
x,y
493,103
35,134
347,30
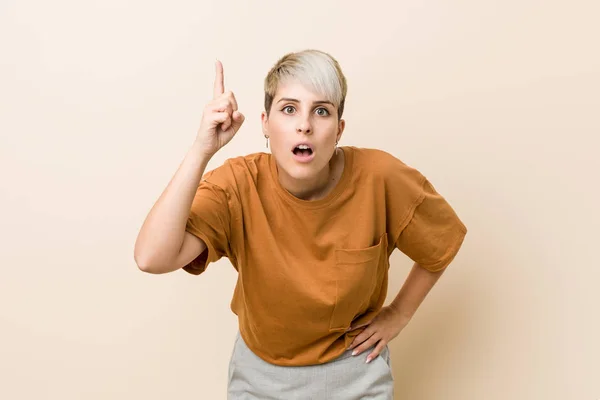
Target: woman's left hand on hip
x,y
380,331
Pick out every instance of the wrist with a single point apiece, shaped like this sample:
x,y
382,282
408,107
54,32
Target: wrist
x,y
401,314
199,149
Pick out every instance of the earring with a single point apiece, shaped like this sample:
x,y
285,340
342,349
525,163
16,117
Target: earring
x,y
267,137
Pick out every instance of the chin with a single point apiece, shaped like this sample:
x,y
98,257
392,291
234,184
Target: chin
x,y
298,170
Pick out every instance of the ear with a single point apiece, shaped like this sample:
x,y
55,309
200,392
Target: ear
x,y
341,126
265,122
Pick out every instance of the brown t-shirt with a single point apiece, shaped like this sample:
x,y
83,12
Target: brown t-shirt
x,y
312,273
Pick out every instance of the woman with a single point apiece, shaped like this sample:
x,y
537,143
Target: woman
x,y
310,229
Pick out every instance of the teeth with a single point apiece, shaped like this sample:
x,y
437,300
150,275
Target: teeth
x,y
303,147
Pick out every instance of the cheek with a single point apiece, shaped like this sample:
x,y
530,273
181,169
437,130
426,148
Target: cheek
x,y
277,130
278,139
279,145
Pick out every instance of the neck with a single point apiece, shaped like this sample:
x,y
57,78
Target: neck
x,y
315,188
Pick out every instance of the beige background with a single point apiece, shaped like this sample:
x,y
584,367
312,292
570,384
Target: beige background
x,y
495,101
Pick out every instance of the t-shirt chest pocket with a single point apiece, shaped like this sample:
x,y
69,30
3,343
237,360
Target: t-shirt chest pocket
x,y
356,274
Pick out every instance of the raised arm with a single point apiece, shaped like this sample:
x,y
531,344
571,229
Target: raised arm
x,y
163,245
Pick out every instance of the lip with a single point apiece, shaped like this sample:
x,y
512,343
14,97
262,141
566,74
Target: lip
x,y
304,143
303,159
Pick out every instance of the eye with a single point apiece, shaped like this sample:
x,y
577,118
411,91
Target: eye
x,y
285,108
324,109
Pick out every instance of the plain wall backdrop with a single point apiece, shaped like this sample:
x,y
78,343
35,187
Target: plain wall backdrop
x,y
496,102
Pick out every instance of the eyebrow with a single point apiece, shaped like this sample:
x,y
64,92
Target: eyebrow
x,y
298,101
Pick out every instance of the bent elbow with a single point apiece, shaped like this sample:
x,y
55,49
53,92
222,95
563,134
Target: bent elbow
x,y
152,267
144,264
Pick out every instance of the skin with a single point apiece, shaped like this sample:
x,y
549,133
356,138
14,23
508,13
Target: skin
x,y
304,119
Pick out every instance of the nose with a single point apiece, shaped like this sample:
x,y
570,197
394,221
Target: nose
x,y
304,127
304,124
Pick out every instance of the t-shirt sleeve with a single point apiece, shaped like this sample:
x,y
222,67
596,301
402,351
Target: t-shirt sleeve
x,y
434,233
210,220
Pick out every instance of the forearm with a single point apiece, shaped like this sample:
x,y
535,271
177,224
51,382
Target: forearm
x,y
416,286
163,230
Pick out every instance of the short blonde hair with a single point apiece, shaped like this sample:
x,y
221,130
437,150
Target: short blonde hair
x,y
313,68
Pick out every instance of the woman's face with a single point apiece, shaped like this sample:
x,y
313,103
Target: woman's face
x,y
299,115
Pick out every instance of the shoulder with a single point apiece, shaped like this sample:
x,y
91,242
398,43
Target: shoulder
x,y
236,170
377,159
384,167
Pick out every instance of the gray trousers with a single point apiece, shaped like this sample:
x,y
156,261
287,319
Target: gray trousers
x,y
347,377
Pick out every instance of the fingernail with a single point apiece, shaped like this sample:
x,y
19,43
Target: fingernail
x,y
354,352
368,359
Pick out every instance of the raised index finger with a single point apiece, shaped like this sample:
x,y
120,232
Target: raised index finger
x,y
219,84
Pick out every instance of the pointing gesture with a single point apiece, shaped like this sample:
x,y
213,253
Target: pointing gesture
x,y
221,119
219,81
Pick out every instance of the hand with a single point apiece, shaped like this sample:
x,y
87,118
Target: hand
x,y
381,330
221,119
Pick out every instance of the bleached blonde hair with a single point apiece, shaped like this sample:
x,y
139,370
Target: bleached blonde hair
x,y
314,69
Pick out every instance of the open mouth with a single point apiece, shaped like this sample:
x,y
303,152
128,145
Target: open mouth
x,y
302,151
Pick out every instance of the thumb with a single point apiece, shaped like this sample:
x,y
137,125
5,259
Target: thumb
x,y
237,120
